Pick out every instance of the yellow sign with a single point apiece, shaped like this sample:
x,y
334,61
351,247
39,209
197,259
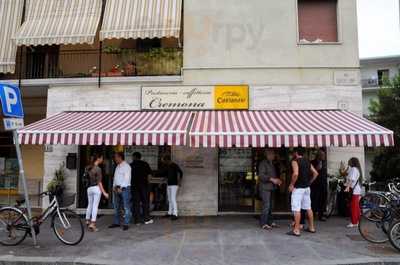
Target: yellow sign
x,y
231,97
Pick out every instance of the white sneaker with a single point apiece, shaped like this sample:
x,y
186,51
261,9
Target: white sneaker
x,y
352,225
149,222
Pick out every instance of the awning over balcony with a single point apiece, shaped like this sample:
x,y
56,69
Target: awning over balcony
x,y
109,128
141,19
10,20
59,22
286,128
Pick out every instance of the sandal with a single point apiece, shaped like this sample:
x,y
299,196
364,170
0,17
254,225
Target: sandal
x,y
308,230
292,233
266,227
92,227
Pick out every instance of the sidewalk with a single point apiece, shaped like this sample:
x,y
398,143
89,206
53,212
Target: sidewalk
x,y
205,240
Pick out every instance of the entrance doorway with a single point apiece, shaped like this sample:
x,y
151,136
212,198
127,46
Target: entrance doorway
x,y
238,176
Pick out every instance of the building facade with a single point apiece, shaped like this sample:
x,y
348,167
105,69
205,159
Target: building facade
x,y
294,55
373,71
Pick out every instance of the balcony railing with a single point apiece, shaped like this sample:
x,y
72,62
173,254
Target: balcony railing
x,y
367,83
86,63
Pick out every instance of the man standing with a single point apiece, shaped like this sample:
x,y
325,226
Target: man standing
x,y
173,173
141,172
122,192
303,174
319,188
268,180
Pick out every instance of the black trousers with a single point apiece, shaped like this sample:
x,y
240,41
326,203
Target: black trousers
x,y
141,199
319,196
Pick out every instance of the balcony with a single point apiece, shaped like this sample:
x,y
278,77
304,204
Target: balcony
x,y
115,62
370,83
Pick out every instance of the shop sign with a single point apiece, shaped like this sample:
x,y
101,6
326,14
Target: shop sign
x,y
195,98
231,98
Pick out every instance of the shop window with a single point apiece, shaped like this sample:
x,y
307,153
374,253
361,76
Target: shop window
x,y
317,20
150,154
9,170
382,76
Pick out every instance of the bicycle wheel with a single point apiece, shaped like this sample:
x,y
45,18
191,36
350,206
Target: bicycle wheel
x,y
394,235
372,228
13,226
68,227
331,205
373,202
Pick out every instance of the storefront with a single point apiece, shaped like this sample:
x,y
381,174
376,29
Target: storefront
x,y
210,132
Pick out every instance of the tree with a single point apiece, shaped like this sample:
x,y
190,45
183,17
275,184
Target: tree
x,y
386,112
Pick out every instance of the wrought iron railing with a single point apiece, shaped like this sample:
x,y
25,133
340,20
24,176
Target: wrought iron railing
x,y
86,63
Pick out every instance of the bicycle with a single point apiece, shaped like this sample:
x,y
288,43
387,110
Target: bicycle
x,y
378,211
334,187
14,224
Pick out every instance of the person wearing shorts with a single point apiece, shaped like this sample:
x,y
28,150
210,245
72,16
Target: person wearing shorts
x,y
303,174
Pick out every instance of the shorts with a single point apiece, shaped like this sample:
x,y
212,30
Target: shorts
x,y
301,199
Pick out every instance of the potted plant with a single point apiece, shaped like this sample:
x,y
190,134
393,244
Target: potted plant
x,y
56,185
115,71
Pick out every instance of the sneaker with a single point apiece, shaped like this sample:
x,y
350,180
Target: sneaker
x,y
174,217
149,222
352,225
125,227
113,226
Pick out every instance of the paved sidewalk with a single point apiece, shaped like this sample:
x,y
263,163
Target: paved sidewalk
x,y
205,240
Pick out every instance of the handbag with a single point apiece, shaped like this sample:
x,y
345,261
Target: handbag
x,y
349,194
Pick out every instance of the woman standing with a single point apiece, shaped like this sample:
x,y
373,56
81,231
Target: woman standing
x,y
173,174
353,185
94,191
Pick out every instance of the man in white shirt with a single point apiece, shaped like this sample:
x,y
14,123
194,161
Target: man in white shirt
x,y
122,192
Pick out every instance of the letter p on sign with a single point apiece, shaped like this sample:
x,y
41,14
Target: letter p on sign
x,y
11,102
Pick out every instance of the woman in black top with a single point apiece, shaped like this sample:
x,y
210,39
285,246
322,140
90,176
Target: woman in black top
x,y
173,174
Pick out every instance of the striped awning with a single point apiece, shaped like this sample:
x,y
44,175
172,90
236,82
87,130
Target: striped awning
x,y
285,128
109,128
59,22
10,20
139,19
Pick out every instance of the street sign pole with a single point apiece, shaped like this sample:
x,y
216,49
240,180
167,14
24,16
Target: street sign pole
x,y
25,186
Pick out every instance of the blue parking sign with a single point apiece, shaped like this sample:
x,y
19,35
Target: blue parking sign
x,y
11,102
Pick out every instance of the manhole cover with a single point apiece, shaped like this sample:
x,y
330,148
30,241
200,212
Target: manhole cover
x,y
355,237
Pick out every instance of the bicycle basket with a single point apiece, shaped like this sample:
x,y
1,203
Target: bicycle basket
x,y
66,200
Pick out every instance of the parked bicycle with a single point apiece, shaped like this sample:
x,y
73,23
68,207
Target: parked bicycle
x,y
380,218
335,186
66,224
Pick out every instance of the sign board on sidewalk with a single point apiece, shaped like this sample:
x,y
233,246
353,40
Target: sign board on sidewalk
x,y
13,123
11,101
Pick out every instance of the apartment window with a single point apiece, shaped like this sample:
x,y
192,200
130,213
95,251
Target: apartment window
x,y
382,75
317,21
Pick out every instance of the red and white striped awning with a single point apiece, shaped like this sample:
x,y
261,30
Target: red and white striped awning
x,y
109,128
286,128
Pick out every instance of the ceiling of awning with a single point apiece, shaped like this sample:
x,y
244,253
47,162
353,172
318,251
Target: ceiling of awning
x,y
286,128
141,19
59,22
10,20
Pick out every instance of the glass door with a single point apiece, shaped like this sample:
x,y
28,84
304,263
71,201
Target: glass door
x,y
236,180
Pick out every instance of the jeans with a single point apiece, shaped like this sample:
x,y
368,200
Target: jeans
x,y
122,200
172,205
94,196
266,214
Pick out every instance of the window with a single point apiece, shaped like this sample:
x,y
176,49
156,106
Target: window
x,y
382,75
317,21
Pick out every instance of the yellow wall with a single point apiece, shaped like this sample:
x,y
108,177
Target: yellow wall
x,y
33,157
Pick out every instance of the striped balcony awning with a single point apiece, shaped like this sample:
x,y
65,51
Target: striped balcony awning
x,y
109,128
59,22
140,19
286,128
10,20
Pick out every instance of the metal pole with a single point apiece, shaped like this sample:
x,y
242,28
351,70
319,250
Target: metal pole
x,y
25,186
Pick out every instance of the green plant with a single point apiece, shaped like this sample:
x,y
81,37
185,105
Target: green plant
x,y
57,183
386,112
112,49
